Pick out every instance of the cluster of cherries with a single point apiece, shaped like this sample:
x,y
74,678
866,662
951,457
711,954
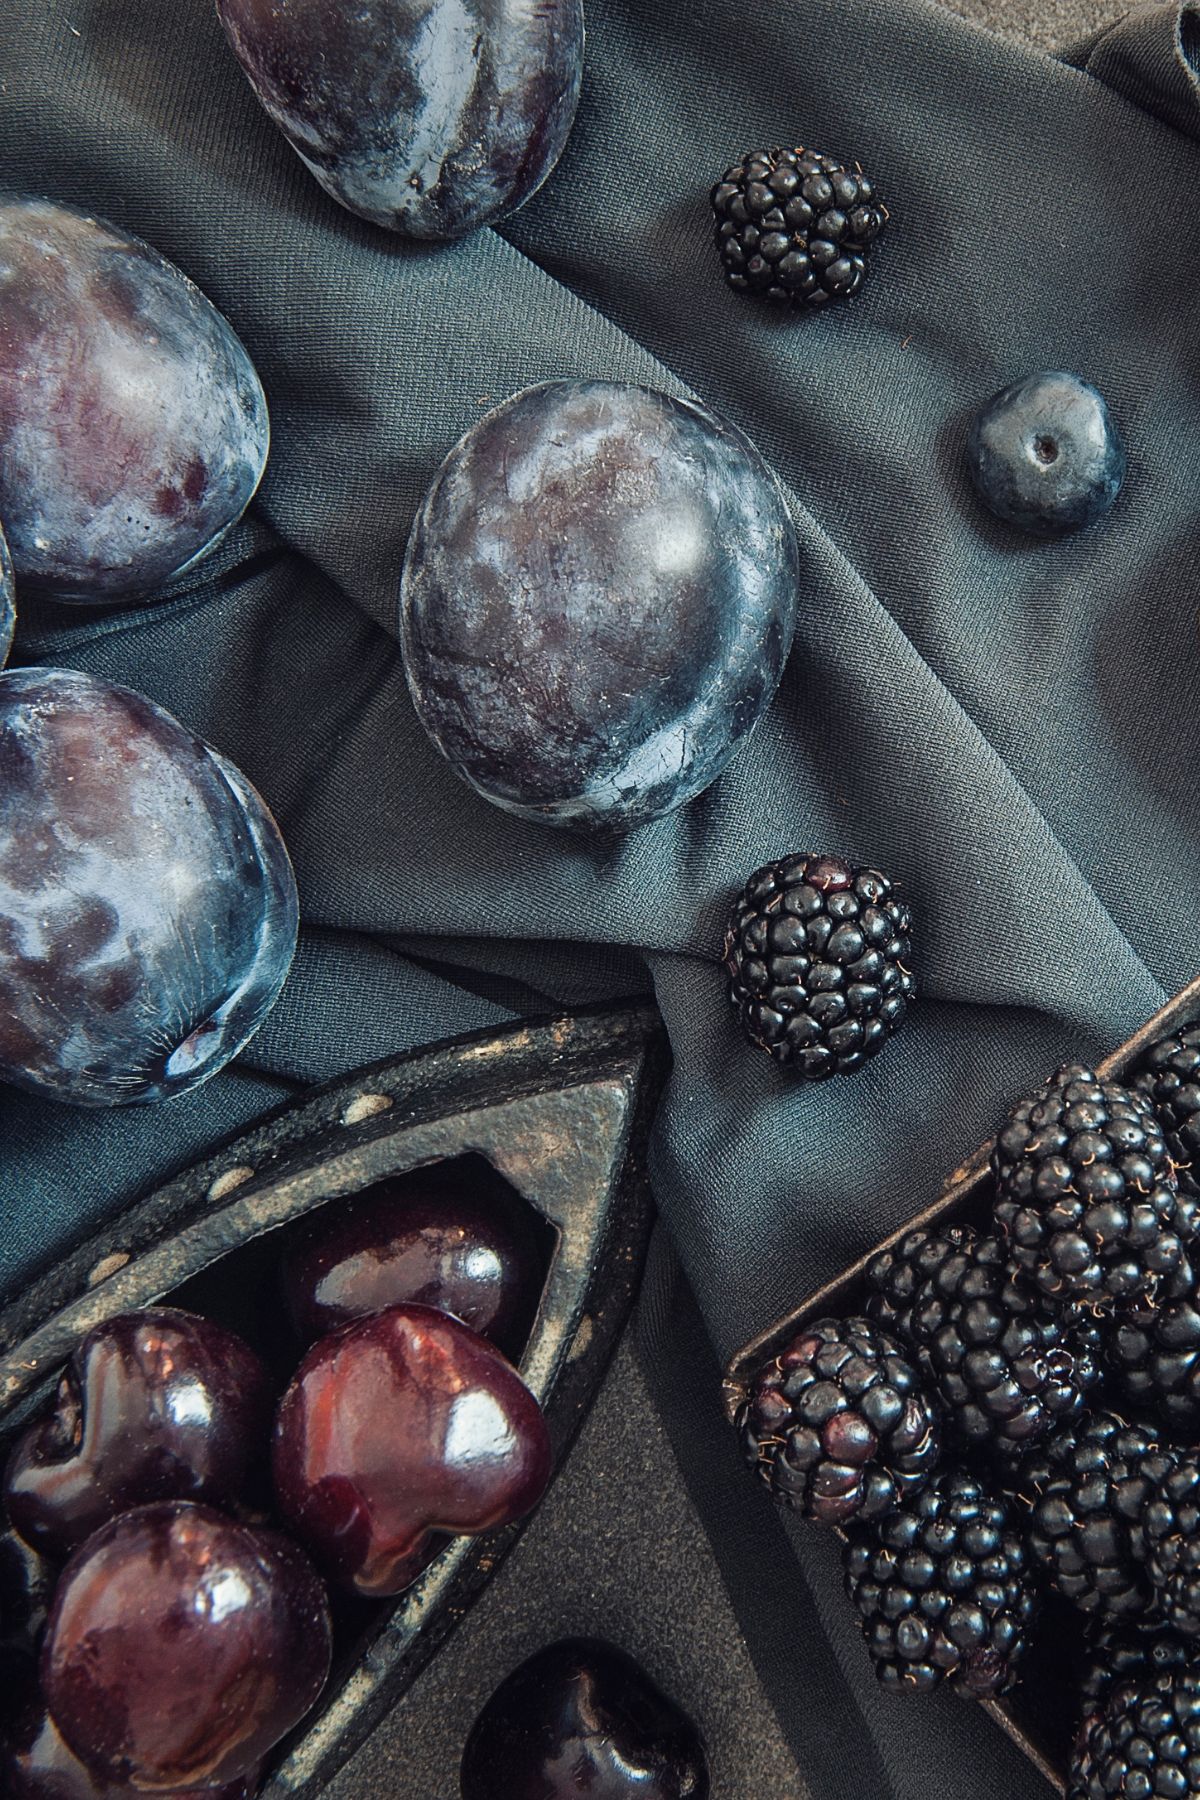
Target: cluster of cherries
x,y
185,1634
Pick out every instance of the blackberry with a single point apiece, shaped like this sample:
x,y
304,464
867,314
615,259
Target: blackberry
x,y
1088,1491
944,1590
837,1424
1146,1744
1123,1654
1087,1200
899,1276
1171,1535
1170,1079
817,957
1153,1357
1008,1366
795,227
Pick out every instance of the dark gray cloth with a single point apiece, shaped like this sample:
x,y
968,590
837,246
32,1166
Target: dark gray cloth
x,y
1151,58
1009,727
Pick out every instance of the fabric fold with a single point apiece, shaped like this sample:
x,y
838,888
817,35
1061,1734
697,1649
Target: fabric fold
x,y
1009,728
1151,58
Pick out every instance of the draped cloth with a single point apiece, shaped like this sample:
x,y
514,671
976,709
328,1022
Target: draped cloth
x,y
1009,727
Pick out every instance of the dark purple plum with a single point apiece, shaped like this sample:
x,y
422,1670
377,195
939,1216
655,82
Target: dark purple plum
x,y
597,603
422,1240
148,908
182,1646
38,1764
133,428
398,1428
8,606
581,1718
430,117
154,1405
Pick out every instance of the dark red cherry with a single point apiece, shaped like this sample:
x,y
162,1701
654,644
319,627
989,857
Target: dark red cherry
x,y
581,1718
26,1587
427,1240
397,1427
154,1405
182,1646
39,1764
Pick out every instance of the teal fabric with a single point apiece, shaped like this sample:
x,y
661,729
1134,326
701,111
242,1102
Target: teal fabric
x,y
1009,727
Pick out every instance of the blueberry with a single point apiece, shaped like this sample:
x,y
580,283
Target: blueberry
x,y
1046,455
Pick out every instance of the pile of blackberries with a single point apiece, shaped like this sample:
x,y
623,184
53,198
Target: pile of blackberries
x,y
1016,1407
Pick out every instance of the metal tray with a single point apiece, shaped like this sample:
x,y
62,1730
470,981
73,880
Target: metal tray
x,y
560,1111
1040,1716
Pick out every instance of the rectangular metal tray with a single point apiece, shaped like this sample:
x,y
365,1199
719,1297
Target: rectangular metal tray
x,y
1039,1716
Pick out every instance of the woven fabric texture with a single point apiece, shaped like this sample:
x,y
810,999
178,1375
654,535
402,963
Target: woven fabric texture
x,y
1010,728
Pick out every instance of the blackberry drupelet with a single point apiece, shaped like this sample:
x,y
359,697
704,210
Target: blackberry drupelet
x,y
1153,1358
1145,1745
1087,1201
837,1425
1170,1080
1130,1653
795,227
1088,1490
1007,1365
1171,1538
899,1276
817,954
944,1589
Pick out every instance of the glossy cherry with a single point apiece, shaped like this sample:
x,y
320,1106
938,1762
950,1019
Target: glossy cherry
x,y
155,1405
582,1718
426,1240
26,1585
26,1590
182,1646
39,1764
398,1427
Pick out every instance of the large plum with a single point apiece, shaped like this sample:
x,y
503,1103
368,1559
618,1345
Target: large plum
x,y
597,603
133,428
428,116
148,908
8,610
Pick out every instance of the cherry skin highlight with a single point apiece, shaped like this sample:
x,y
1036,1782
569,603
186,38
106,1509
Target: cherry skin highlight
x,y
182,1646
398,1427
38,1764
581,1718
432,1244
155,1405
